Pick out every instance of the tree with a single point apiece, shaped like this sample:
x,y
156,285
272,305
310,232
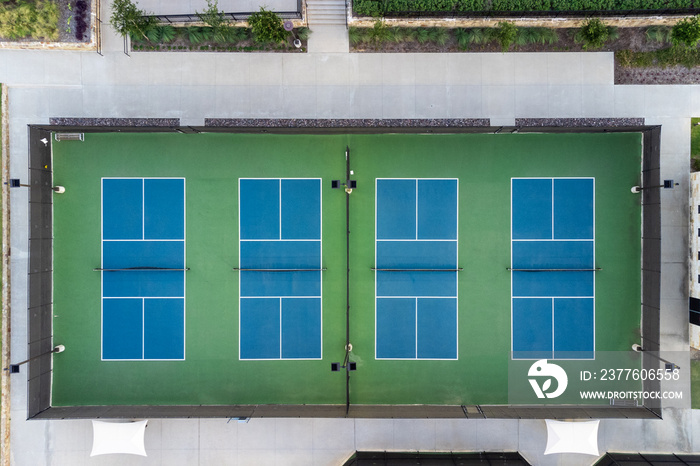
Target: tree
x,y
220,27
127,19
686,32
267,27
212,16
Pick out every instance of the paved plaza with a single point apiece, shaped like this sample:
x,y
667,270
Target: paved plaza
x,y
330,83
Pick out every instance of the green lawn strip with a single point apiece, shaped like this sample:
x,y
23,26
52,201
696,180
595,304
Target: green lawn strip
x,y
663,58
36,20
695,144
695,384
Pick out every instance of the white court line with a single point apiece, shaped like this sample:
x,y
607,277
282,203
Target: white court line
x,y
142,298
281,240
513,297
456,241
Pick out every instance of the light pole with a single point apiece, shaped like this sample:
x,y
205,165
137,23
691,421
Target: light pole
x,y
667,184
14,368
670,366
289,26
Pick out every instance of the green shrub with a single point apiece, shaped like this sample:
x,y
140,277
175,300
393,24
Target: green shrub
x,y
505,34
153,34
468,36
438,35
629,5
462,37
586,5
367,8
221,29
303,33
686,32
167,33
410,34
397,34
594,34
474,36
229,34
267,27
379,33
469,5
355,35
548,36
212,17
379,8
661,34
536,35
422,35
521,5
624,58
196,35
527,36
660,4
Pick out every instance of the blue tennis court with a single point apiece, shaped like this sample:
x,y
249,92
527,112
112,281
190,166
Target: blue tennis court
x,y
416,268
553,268
280,268
143,268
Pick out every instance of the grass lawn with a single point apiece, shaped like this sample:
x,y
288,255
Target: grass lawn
x,y
695,384
695,144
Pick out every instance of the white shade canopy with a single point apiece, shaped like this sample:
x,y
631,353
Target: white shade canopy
x,y
572,437
118,437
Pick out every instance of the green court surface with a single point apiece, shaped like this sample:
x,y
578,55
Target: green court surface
x,y
213,374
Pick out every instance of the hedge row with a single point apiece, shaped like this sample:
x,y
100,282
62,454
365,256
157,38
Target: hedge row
x,y
386,7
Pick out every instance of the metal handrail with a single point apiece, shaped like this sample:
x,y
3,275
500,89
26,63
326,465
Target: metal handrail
x,y
237,16
98,28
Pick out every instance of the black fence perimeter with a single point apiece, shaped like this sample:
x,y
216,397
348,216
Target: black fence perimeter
x,y
539,13
40,274
239,16
40,280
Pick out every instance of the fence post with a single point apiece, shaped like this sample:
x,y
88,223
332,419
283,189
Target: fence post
x,y
127,45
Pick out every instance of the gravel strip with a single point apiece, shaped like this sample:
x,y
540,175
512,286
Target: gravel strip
x,y
343,123
580,122
134,122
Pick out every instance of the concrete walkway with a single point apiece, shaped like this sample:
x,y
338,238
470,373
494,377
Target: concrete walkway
x,y
329,82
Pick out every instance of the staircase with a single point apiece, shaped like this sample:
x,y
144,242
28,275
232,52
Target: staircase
x,y
325,12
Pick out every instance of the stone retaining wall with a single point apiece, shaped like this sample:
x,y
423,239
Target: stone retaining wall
x,y
551,22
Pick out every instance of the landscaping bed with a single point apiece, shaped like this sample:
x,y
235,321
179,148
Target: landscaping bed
x,y
643,55
45,21
265,31
203,39
74,21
